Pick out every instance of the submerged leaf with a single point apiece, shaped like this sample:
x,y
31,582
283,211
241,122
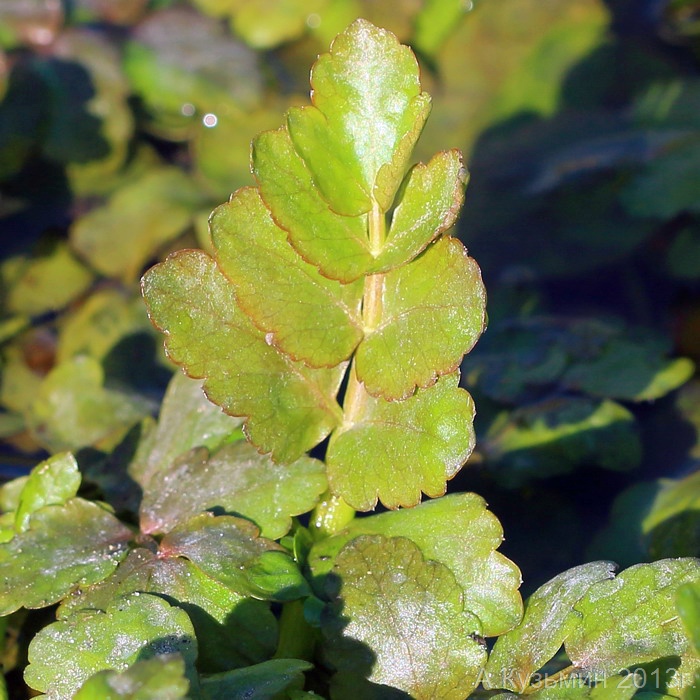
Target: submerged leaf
x,y
138,627
457,531
289,407
425,643
393,451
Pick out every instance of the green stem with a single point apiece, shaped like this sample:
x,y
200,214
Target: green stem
x,y
297,638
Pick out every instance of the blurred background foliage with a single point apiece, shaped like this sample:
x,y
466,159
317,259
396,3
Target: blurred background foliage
x,y
124,122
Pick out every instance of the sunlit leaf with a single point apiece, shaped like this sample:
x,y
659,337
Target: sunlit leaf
x,y
433,311
393,451
230,551
429,205
308,316
187,419
52,482
549,619
456,531
289,407
232,630
263,681
73,408
142,216
424,644
337,244
368,111
159,678
64,545
135,628
238,480
688,604
632,619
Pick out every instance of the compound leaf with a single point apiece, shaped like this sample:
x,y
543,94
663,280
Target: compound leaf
x,y
159,678
64,545
459,532
433,313
549,619
393,451
289,407
137,627
238,480
309,317
632,619
424,644
368,111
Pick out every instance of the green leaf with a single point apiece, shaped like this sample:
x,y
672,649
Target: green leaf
x,y
178,57
94,328
232,630
368,111
74,409
289,407
63,655
424,644
238,480
393,451
230,551
429,205
688,604
142,216
187,419
435,22
64,546
263,681
457,531
433,313
338,245
558,435
665,188
159,678
671,523
307,316
52,482
632,619
46,282
549,619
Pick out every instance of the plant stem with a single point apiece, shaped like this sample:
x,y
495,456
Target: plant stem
x,y
296,636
